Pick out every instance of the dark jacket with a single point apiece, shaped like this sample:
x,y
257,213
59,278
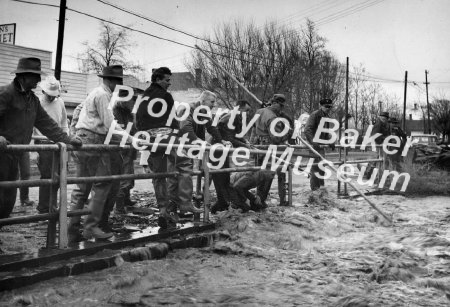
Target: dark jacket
x,y
312,124
262,127
383,128
228,134
144,121
196,131
20,111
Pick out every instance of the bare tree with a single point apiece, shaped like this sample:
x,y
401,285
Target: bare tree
x,y
440,111
110,49
268,60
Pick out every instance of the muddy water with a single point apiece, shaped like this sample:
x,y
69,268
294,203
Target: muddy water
x,y
321,252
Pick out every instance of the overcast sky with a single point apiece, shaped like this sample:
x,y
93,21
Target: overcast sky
x,y
386,36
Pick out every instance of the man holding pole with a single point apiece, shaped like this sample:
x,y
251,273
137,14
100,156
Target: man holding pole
x,y
310,130
265,136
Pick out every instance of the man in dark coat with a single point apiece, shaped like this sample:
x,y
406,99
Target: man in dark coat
x,y
310,130
20,111
264,136
173,191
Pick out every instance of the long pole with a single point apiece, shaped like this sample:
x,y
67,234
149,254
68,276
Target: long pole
x,y
301,139
404,101
230,75
428,103
346,117
59,44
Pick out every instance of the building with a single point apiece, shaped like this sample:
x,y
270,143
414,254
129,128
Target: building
x,y
76,86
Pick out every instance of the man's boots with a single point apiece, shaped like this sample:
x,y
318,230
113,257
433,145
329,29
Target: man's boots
x,y
120,205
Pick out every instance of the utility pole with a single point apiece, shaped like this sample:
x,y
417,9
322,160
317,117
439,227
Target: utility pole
x,y
346,117
428,104
59,44
404,102
380,106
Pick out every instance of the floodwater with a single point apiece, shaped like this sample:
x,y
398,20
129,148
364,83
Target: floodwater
x,y
320,252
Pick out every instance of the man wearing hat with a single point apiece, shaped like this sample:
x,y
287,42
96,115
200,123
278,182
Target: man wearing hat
x,y
20,110
381,126
310,130
264,136
54,106
94,122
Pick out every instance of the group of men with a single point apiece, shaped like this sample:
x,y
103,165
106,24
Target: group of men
x,y
21,110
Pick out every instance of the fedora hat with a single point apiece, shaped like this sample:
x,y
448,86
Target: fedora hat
x,y
29,65
280,98
51,86
113,71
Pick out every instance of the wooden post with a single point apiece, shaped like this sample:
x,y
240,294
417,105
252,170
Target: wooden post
x,y
53,203
404,101
206,196
59,43
346,119
63,160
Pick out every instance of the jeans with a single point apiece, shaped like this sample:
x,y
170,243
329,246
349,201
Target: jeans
x,y
91,163
9,166
24,166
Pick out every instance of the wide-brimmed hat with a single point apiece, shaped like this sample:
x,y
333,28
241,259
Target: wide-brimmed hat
x,y
113,71
51,86
385,114
29,65
280,98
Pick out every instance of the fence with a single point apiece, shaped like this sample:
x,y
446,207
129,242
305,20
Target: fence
x,y
60,180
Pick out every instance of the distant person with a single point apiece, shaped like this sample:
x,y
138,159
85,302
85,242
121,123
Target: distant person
x,y
20,110
54,106
312,124
381,126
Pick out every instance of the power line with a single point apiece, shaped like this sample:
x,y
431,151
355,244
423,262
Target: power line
x,y
346,12
43,4
174,28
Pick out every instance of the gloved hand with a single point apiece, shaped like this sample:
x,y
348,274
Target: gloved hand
x,y
226,143
3,142
333,146
75,141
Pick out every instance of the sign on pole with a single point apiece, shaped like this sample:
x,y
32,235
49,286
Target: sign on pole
x,y
8,34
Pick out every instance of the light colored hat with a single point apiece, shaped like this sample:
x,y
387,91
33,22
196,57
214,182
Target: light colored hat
x,y
51,86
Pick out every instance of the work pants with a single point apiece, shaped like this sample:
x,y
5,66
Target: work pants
x,y
222,182
24,166
9,171
314,181
91,163
45,161
116,169
176,189
243,183
128,157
